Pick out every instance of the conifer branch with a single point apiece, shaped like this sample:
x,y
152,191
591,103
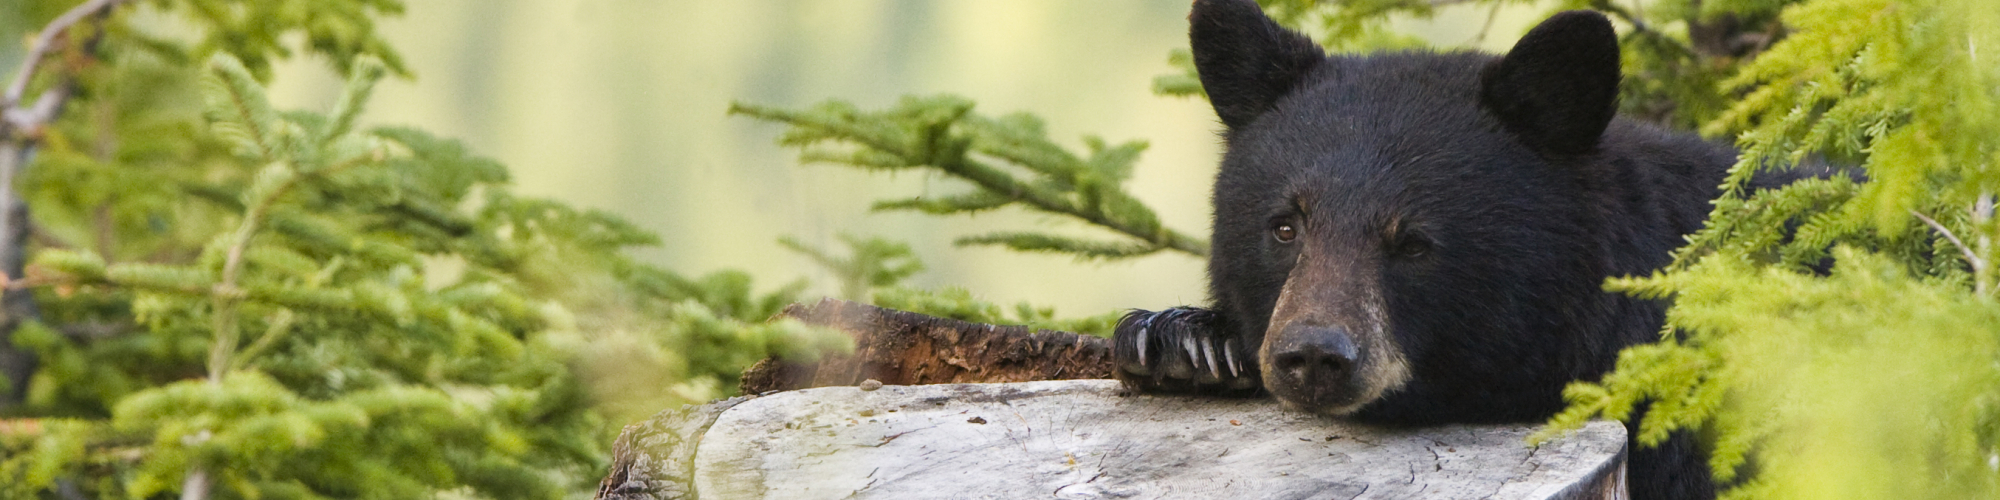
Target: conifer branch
x,y
1765,333
317,240
249,110
70,270
942,134
226,295
1040,242
872,263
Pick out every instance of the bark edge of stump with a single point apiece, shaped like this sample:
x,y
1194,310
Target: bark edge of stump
x,y
906,348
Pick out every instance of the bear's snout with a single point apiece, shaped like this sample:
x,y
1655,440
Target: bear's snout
x,y
1312,366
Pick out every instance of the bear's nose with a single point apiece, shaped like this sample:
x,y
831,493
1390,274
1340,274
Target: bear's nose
x,y
1316,358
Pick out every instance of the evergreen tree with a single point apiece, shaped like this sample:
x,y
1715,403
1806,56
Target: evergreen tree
x,y
942,134
240,301
1878,379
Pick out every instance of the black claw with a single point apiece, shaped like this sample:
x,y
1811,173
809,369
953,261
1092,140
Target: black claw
x,y
1181,350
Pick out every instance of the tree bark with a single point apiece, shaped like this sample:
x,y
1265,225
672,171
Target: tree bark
x,y
22,125
905,348
16,306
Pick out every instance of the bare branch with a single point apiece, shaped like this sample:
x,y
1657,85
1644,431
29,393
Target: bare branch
x,y
46,42
1640,28
18,125
1491,14
1638,22
1982,218
196,485
1978,264
20,132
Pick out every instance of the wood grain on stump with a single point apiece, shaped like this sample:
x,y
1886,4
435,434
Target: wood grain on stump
x,y
1084,439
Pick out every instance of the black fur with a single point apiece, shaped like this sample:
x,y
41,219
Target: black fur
x,y
1247,60
1479,202
1558,88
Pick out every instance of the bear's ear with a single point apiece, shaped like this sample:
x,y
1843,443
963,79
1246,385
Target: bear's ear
x,y
1558,88
1245,59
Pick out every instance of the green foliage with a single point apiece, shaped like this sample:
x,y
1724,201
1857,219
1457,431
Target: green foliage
x,y
327,353
874,263
1866,383
1185,81
1008,161
255,31
1877,380
294,306
1357,25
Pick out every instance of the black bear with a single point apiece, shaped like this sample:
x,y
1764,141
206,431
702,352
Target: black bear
x,y
1422,237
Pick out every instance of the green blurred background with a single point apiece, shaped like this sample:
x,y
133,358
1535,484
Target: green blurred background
x,y
619,105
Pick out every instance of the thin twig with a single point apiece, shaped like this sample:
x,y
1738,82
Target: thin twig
x,y
1978,264
226,294
1982,217
19,125
1491,14
196,485
107,231
1638,23
45,43
281,324
1639,26
1948,236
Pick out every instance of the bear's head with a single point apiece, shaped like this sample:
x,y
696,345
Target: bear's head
x,y
1409,235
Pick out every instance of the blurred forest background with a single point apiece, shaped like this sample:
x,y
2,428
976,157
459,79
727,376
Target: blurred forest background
x,y
253,284
270,263
620,105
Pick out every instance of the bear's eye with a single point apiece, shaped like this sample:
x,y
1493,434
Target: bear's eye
x,y
1285,232
1410,246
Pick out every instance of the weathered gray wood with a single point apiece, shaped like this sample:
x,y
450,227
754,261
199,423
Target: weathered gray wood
x,y
654,459
1085,439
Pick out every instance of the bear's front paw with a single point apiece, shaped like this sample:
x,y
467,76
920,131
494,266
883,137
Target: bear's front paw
x,y
1180,350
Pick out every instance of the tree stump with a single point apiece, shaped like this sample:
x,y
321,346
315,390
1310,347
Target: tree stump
x,y
906,348
1045,437
1083,439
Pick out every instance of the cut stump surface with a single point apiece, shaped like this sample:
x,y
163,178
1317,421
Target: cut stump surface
x,y
1084,439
